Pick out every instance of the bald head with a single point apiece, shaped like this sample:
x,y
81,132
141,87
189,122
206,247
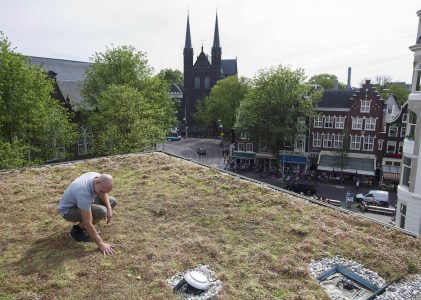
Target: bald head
x,y
105,183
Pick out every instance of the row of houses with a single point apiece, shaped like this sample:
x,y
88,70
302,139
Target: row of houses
x,y
355,131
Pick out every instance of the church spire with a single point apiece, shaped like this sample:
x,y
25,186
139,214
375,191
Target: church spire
x,y
188,38
216,34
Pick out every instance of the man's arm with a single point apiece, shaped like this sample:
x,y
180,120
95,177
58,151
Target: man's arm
x,y
106,201
93,234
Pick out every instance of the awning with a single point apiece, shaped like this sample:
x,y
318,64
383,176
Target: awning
x,y
243,154
391,172
289,159
352,164
265,155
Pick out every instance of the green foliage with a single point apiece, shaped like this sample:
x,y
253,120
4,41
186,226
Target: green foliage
x,y
222,103
171,76
278,97
386,88
32,124
118,65
132,109
327,81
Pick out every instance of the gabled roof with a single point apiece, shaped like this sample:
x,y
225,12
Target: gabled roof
x,y
65,69
202,61
229,66
72,90
335,99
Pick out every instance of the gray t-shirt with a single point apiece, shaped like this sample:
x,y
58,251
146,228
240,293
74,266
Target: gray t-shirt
x,y
80,193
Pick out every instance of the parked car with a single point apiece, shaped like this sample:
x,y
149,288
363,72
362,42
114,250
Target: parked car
x,y
201,151
374,197
173,138
301,187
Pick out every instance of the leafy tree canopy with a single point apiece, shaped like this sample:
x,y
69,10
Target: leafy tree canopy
x,y
171,76
279,97
327,81
32,124
222,104
387,87
132,108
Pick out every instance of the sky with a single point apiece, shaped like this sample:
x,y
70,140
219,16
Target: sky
x,y
325,36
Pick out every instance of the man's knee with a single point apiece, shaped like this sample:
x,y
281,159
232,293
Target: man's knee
x,y
113,201
99,212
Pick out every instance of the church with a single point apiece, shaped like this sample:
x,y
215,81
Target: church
x,y
202,75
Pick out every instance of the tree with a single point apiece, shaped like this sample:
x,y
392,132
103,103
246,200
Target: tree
x,y
132,109
341,154
222,104
278,97
118,65
33,125
327,81
171,76
386,88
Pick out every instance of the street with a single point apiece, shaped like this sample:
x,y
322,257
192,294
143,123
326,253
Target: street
x,y
187,148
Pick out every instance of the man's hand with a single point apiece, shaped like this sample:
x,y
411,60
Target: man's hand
x,y
109,215
107,249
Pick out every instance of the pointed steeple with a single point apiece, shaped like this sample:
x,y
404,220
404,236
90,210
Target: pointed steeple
x,y
216,33
188,37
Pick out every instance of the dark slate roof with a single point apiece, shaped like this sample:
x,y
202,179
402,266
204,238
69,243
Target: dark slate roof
x,y
336,99
202,61
72,90
229,66
65,69
176,88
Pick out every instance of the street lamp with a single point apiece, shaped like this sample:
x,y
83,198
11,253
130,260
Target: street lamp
x,y
221,129
185,127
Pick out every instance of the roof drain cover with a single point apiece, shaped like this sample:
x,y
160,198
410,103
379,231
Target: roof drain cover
x,y
194,283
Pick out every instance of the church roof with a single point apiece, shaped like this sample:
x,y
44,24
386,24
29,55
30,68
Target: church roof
x,y
72,90
229,66
335,99
202,61
65,69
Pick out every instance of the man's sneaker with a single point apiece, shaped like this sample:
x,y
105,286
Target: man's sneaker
x,y
78,234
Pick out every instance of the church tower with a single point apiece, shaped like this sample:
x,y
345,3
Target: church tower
x,y
216,54
188,73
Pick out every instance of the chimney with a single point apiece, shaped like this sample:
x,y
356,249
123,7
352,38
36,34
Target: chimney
x,y
348,86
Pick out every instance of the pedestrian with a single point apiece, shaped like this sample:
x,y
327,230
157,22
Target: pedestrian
x,y
86,201
357,184
349,198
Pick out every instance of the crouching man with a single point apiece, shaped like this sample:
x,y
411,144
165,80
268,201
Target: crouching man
x,y
87,202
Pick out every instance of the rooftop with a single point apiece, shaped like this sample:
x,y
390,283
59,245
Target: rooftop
x,y
173,215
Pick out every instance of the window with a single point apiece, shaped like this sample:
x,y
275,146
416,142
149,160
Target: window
x,y
197,83
412,120
357,123
318,122
396,164
339,122
84,143
403,130
329,122
391,147
327,140
380,144
301,125
368,143
338,141
393,131
370,124
355,142
402,211
388,163
400,148
243,136
406,171
300,143
317,139
240,146
207,83
418,82
365,106
249,147
404,118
